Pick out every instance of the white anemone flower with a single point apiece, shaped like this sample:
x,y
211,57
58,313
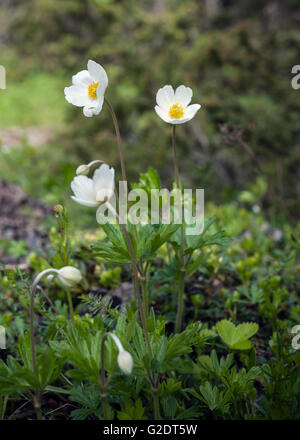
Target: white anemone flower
x,y
88,88
173,107
96,191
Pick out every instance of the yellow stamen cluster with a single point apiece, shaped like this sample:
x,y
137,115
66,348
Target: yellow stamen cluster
x,y
176,111
93,89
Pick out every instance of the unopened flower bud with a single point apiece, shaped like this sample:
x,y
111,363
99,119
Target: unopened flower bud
x,y
58,209
50,277
84,169
125,361
69,276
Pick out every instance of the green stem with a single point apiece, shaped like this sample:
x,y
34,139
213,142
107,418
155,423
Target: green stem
x,y
104,383
71,308
37,405
180,303
136,279
103,387
31,313
180,299
145,295
156,403
37,393
3,407
116,125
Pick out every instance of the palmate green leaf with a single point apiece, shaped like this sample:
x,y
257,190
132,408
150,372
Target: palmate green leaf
x,y
116,250
81,349
150,239
110,253
131,412
193,242
87,396
18,378
236,337
15,378
213,397
181,343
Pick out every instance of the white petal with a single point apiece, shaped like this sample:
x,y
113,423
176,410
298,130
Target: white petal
x,y
98,74
99,104
163,114
85,202
88,112
104,182
104,194
76,95
183,95
82,188
82,78
191,110
94,107
165,97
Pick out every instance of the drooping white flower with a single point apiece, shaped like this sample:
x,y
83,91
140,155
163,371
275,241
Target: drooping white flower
x,y
93,192
69,276
88,88
173,107
124,359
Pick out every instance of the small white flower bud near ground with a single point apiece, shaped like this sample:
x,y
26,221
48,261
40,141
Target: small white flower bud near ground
x,y
69,276
124,359
125,362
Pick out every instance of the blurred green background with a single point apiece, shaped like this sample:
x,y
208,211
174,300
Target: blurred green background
x,y
237,57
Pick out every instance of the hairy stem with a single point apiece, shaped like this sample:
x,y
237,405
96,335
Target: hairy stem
x,y
37,404
156,403
102,378
31,313
37,393
180,299
71,308
116,125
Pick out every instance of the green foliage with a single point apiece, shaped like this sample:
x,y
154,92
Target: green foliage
x,y
16,377
241,274
214,398
236,337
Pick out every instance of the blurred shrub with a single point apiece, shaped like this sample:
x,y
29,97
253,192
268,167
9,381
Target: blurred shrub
x,y
237,57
